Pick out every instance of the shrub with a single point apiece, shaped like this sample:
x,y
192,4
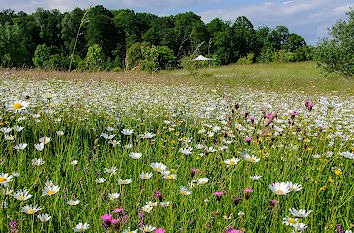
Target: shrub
x,y
94,60
337,54
246,60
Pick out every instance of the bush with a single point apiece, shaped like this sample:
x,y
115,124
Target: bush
x,y
94,60
135,55
150,57
283,55
246,60
42,55
166,59
337,54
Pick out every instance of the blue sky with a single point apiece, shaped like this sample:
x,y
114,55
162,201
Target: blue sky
x,y
308,18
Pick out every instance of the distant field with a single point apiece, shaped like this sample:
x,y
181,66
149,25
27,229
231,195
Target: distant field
x,y
303,76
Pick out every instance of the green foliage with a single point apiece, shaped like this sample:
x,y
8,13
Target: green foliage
x,y
44,54
246,60
12,51
337,54
150,57
135,55
165,58
116,31
94,60
283,55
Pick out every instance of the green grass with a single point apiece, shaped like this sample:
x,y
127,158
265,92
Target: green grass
x,y
303,76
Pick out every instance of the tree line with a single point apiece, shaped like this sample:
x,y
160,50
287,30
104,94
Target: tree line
x,y
103,39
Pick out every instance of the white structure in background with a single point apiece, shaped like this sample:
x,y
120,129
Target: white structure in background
x,y
202,58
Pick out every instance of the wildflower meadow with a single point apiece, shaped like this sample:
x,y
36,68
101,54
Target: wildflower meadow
x,y
105,156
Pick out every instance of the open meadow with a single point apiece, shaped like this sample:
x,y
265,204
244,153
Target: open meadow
x,y
241,148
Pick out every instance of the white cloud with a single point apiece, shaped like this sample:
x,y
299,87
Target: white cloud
x,y
305,17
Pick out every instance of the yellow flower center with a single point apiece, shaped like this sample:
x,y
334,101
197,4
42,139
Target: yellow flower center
x,y
51,192
81,229
338,172
21,197
170,177
31,211
184,192
232,162
73,203
164,204
123,181
251,159
145,177
279,191
157,169
45,142
3,179
292,221
203,181
17,106
147,209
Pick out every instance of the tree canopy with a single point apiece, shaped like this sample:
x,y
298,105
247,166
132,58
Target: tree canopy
x,y
49,36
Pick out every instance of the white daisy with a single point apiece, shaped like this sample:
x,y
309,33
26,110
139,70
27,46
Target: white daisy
x,y
299,213
29,209
81,227
72,202
145,176
280,188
